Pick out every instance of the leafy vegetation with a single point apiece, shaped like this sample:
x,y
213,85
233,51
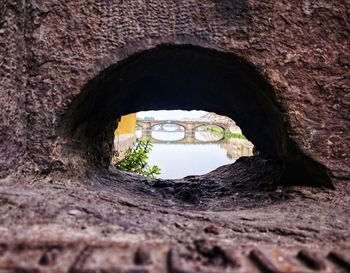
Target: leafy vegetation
x,y
227,134
135,159
230,134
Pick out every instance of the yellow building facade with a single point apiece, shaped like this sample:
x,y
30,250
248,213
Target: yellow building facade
x,y
126,125
124,135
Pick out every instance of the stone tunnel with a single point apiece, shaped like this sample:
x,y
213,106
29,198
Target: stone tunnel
x,y
70,69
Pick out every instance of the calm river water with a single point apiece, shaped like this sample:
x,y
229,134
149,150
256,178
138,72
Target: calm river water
x,y
178,157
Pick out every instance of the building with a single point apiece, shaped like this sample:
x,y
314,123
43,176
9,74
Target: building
x,y
124,135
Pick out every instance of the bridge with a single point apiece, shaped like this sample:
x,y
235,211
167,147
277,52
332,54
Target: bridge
x,y
189,127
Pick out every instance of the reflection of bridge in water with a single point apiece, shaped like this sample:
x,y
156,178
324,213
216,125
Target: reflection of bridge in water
x,y
235,148
188,127
188,139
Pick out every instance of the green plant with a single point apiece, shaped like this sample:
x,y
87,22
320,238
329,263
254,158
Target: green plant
x,y
230,134
135,159
227,134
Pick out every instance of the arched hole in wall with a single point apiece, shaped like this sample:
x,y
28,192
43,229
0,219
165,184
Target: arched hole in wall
x,y
182,143
187,77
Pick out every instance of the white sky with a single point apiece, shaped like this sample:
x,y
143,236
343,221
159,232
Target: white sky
x,y
171,114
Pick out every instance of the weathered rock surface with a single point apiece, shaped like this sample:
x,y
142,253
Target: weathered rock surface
x,y
55,224
50,50
64,67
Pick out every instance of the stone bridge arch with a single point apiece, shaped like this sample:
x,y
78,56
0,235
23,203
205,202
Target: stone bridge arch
x,y
222,126
217,125
189,126
178,124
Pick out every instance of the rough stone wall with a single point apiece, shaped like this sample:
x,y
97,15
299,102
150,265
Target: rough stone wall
x,y
52,48
12,87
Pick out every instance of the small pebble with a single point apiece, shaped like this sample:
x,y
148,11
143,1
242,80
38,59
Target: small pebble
x,y
74,212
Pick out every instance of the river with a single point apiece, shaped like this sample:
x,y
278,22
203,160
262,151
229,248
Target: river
x,y
178,156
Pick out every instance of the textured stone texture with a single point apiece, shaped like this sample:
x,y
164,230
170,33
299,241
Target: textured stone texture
x,y
51,49
13,79
49,52
54,225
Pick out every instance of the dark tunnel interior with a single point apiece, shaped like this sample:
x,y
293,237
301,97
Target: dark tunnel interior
x,y
187,77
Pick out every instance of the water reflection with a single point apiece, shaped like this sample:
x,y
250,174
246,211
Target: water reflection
x,y
168,136
179,155
171,133
179,160
202,134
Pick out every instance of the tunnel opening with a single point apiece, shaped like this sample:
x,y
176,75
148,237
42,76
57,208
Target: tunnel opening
x,y
189,77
